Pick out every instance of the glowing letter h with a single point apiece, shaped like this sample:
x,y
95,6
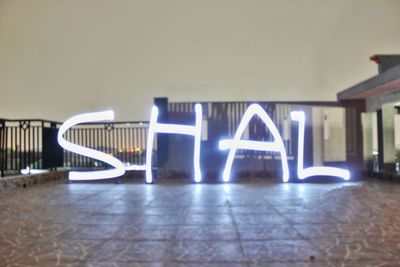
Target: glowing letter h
x,y
156,127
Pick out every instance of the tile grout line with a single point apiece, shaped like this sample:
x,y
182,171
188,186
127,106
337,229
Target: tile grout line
x,y
247,261
303,237
172,242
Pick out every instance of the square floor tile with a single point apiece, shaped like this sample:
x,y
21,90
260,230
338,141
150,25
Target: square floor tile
x,y
150,232
207,232
280,251
95,231
268,232
132,251
207,251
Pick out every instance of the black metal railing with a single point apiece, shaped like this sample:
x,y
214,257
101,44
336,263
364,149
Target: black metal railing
x,y
28,144
221,120
124,140
32,143
227,115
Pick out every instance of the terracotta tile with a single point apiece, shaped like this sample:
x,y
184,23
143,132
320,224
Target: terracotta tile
x,y
123,264
207,232
207,251
259,219
149,232
173,223
95,231
208,210
128,251
268,232
359,248
280,250
201,264
58,252
116,219
236,210
207,219
310,218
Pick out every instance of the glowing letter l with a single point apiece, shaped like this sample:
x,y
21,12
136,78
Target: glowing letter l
x,y
312,171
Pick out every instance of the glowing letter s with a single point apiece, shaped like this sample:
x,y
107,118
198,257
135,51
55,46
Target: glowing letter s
x,y
312,171
88,152
237,143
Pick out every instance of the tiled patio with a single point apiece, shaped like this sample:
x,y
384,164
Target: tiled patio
x,y
175,223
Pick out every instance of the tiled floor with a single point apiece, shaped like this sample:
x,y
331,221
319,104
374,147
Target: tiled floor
x,y
175,223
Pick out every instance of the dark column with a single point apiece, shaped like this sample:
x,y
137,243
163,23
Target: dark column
x,y
162,139
308,140
354,134
3,146
379,116
52,152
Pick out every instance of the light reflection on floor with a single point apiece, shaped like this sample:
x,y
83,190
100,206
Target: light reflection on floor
x,y
175,223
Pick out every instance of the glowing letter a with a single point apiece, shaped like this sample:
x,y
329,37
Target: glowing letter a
x,y
238,143
88,152
312,171
156,127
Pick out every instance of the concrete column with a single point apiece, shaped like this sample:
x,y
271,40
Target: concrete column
x,y
389,151
354,135
162,139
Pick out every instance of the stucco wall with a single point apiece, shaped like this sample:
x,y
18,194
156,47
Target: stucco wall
x,y
60,58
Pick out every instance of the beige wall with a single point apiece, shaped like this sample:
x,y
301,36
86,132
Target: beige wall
x,y
370,137
329,136
389,150
59,58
